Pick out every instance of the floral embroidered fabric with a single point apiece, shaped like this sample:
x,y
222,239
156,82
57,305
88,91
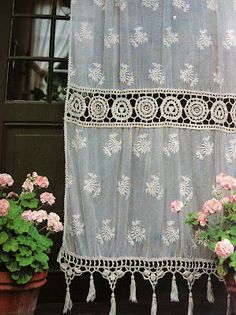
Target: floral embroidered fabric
x,y
150,117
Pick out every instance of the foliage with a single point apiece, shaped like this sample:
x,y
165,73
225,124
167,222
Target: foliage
x,y
24,237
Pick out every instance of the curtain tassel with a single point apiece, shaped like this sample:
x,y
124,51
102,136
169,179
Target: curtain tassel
x,y
68,303
92,291
113,304
154,304
228,305
174,295
133,297
210,295
190,303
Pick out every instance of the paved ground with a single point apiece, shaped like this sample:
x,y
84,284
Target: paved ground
x,y
94,309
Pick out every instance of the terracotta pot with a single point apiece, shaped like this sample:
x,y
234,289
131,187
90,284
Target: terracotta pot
x,y
18,299
231,288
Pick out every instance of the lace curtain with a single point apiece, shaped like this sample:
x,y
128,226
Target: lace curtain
x,y
150,117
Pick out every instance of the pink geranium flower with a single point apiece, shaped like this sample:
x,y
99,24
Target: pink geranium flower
x,y
202,218
4,207
53,216
54,226
226,181
42,181
28,185
176,206
6,180
47,197
224,248
212,206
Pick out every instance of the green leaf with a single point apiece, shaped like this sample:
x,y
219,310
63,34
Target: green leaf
x,y
30,204
10,245
233,260
25,251
4,257
41,257
13,266
27,196
22,277
192,218
27,241
232,230
24,261
221,270
3,237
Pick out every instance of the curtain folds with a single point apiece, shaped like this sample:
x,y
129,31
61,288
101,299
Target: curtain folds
x,y
150,117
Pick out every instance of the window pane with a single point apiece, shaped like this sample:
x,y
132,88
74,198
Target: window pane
x,y
33,6
63,7
27,80
62,38
60,72
30,37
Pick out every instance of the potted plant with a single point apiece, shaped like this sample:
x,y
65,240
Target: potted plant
x,y
25,229
215,229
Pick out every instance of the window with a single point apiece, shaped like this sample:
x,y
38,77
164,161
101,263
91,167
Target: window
x,y
38,52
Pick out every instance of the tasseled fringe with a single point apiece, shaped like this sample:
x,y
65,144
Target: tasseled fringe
x,y
68,303
133,297
154,304
92,291
174,295
190,303
228,305
113,304
210,295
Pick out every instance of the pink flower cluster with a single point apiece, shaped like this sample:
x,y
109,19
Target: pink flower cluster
x,y
202,218
224,248
176,206
54,224
48,198
212,206
53,220
35,180
6,180
4,207
35,216
226,181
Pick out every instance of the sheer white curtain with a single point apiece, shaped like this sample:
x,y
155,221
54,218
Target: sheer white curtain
x,y
150,117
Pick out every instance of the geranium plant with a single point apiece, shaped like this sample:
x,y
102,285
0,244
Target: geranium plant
x,y
25,227
215,223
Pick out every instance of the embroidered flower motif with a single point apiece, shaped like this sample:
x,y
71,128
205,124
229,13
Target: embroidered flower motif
x,y
122,4
181,5
113,145
154,187
136,234
138,37
170,38
186,191
230,39
171,234
71,70
206,149
77,227
212,5
126,77
111,39
217,192
153,4
84,33
79,142
204,40
142,145
188,76
156,74
194,244
106,233
96,73
217,77
172,146
230,154
100,3
124,186
92,186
